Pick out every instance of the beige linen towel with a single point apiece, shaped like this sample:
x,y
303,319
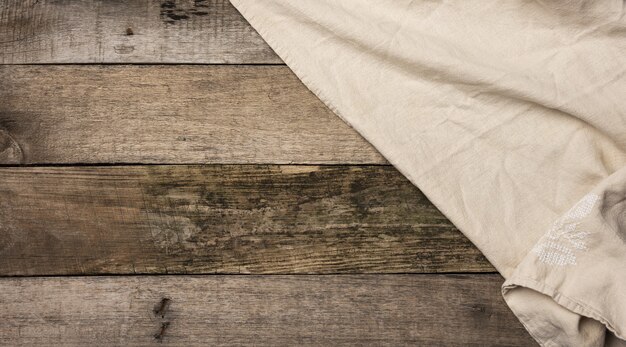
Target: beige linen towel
x,y
510,115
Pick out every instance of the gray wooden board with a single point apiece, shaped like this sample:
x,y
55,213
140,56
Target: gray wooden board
x,y
169,114
382,310
138,31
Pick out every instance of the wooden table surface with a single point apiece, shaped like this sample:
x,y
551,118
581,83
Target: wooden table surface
x,y
166,180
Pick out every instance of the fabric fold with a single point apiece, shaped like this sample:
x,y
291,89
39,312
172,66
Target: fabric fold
x,y
507,115
576,273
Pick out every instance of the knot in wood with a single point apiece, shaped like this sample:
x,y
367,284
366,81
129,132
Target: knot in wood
x,y
10,150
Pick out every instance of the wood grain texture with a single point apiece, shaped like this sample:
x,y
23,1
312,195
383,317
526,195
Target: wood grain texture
x,y
138,31
381,310
223,219
252,219
169,114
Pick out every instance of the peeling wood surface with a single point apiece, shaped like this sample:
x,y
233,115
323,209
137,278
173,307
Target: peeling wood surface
x,y
381,310
169,114
223,219
138,31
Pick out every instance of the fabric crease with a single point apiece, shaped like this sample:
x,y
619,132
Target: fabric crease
x,y
509,116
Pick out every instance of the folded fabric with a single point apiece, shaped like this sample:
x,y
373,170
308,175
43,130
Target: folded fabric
x,y
509,115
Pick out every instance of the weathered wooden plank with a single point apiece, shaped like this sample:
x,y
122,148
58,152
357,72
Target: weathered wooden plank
x,y
138,31
169,114
223,219
381,310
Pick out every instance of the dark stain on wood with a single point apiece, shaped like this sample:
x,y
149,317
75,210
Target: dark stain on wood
x,y
256,219
272,201
160,310
159,336
172,12
175,16
123,49
168,4
161,307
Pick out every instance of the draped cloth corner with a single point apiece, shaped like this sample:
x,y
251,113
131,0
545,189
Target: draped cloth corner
x,y
509,115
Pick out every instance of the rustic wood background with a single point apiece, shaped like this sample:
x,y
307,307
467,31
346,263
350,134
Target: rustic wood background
x,y
166,180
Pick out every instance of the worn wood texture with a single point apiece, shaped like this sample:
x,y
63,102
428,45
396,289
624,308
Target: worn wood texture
x,y
381,310
138,31
223,219
169,114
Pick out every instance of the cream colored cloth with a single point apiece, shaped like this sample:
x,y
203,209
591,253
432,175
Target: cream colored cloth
x,y
509,115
